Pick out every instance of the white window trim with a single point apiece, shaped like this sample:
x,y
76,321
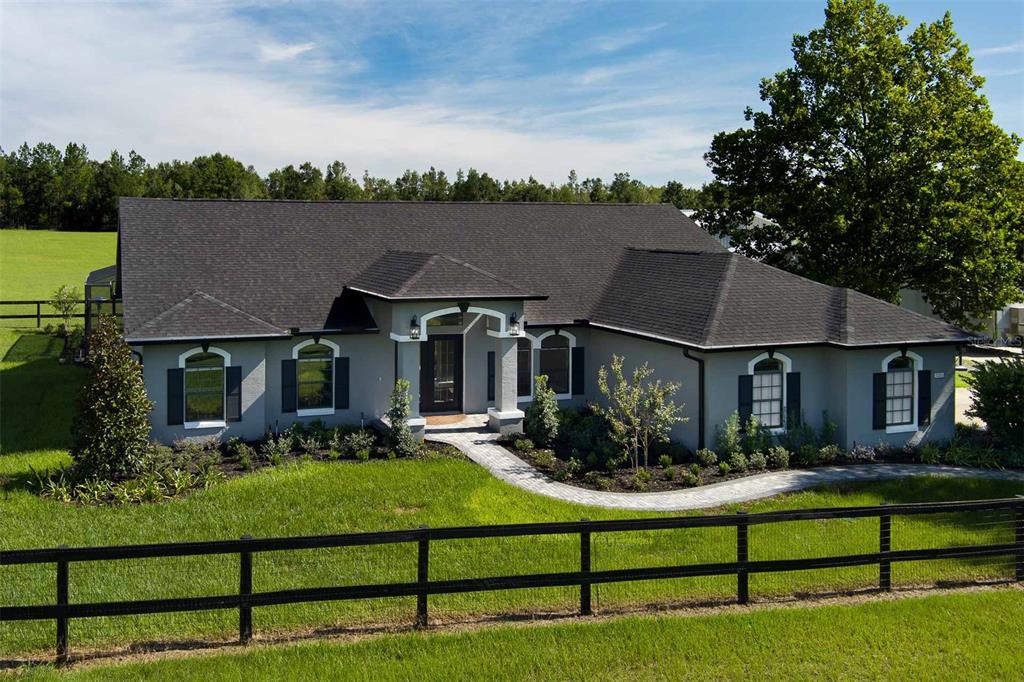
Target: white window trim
x,y
787,367
212,423
537,346
336,351
918,363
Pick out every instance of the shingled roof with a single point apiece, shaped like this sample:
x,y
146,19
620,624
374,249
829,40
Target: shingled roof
x,y
281,265
411,275
720,300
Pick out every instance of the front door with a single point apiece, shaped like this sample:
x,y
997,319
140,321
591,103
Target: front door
x,y
441,374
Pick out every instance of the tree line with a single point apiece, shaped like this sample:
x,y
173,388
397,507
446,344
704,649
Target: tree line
x,y
43,187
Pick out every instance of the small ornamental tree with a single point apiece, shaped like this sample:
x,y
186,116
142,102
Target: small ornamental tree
x,y
65,301
399,435
542,413
998,399
110,430
640,412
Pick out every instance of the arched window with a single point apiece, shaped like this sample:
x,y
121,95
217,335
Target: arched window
x,y
204,388
767,403
899,392
314,368
524,373
554,362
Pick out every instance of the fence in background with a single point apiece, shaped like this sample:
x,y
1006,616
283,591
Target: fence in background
x,y
89,308
245,600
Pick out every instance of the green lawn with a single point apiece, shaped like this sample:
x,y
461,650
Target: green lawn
x,y
324,497
954,637
34,263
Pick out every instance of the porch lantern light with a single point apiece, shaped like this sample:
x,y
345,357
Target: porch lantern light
x,y
513,325
414,328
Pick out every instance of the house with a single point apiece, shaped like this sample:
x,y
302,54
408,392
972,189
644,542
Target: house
x,y
251,315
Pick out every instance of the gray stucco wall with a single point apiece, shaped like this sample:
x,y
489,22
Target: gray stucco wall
x,y
371,373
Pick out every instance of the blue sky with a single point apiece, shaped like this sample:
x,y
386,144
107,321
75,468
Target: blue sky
x,y
512,88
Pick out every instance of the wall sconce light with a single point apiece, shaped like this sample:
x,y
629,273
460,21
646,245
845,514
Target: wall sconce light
x,y
414,328
513,325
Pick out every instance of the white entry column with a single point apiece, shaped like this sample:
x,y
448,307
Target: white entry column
x,y
505,417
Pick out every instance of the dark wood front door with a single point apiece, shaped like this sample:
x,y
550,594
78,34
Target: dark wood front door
x,y
441,374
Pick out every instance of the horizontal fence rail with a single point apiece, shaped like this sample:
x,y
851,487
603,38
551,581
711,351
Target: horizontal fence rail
x,y
245,599
104,306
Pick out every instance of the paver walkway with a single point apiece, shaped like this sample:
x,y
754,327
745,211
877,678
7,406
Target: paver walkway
x,y
481,447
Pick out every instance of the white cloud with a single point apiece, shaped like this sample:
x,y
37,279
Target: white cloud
x,y
613,42
283,53
175,82
1012,48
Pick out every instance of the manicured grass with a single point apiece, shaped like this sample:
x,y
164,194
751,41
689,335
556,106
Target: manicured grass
x,y
955,637
33,263
324,497
961,379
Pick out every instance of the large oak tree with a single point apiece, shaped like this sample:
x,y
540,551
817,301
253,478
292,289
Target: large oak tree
x,y
878,162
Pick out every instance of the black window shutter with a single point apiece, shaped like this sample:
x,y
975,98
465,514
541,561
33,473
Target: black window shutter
x,y
289,391
175,397
924,397
878,413
794,412
746,398
490,375
578,373
341,383
233,390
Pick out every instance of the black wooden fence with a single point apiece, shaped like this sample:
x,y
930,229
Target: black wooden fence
x,y
93,306
245,599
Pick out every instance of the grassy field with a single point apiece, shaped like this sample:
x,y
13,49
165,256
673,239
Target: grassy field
x,y
33,263
954,637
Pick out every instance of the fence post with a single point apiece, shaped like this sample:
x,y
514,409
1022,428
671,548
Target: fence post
x,y
62,600
244,595
742,556
884,547
39,314
1019,539
422,576
585,609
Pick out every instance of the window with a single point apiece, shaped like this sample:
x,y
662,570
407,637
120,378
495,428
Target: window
x,y
204,388
899,392
315,377
524,365
554,362
767,393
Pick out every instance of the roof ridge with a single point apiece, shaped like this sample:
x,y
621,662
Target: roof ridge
x,y
213,299
477,269
716,311
420,271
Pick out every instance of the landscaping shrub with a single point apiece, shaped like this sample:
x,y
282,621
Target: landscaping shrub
x,y
758,461
65,301
541,423
999,399
522,444
778,457
665,461
641,479
738,462
640,412
584,433
111,424
861,453
723,468
545,458
729,436
670,473
274,449
706,457
695,469
807,455
689,480
829,453
929,453
399,437
595,479
828,430
310,444
799,436
358,442
756,438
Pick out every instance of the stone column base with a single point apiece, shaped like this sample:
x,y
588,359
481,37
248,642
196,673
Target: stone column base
x,y
505,423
